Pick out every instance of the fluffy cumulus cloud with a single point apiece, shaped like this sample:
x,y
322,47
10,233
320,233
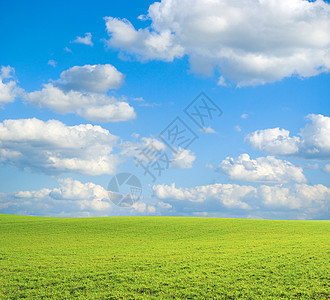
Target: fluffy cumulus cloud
x,y
295,197
70,198
183,159
144,43
248,42
275,141
313,141
82,90
52,147
228,195
116,111
142,208
91,78
262,169
8,85
296,200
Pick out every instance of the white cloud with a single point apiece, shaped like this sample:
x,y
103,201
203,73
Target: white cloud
x,y
147,104
151,209
74,198
91,78
145,149
183,159
327,168
52,147
143,43
222,81
88,194
143,103
115,112
79,91
229,195
52,63
201,213
139,207
249,42
142,17
316,137
295,197
262,169
86,40
274,141
307,200
208,130
8,85
143,208
71,198
244,116
150,149
139,99
313,141
164,205
238,128
92,106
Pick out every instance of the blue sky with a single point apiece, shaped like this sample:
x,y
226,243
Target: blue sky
x,y
85,86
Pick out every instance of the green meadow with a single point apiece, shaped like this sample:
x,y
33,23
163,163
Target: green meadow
x,y
163,258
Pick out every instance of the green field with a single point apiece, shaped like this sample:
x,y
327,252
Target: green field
x,y
162,258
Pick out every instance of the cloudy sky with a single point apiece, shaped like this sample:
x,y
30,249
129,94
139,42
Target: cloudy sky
x,y
220,108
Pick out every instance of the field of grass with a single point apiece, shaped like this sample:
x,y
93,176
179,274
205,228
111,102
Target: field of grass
x,y
162,258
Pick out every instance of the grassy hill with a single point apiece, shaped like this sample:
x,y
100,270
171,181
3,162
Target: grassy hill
x,y
162,257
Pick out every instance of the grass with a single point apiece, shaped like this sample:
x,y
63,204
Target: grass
x,y
163,258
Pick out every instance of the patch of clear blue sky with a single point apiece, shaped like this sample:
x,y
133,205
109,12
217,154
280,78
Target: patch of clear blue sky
x,y
34,32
